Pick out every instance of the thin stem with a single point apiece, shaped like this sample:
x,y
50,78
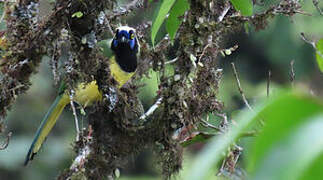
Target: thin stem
x,y
75,116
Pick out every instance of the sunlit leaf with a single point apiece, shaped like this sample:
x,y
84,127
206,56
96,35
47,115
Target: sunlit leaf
x,y
163,11
319,54
175,17
244,6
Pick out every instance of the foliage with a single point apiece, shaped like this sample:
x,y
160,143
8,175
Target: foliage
x,y
289,144
244,6
319,54
163,11
176,9
175,17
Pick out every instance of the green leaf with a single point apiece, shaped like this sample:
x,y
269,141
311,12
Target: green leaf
x,y
163,11
314,170
213,152
289,157
319,54
282,117
282,114
175,17
244,6
78,14
199,138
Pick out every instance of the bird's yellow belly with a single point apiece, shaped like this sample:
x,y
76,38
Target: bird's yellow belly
x,y
87,94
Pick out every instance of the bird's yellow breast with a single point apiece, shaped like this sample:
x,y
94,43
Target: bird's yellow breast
x,y
118,74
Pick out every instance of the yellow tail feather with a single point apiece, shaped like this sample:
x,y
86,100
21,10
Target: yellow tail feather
x,y
47,124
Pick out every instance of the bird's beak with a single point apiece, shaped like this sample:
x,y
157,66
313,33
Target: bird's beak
x,y
123,39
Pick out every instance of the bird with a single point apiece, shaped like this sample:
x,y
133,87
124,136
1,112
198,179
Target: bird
x,y
125,50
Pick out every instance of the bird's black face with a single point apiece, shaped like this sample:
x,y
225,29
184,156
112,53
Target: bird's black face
x,y
125,47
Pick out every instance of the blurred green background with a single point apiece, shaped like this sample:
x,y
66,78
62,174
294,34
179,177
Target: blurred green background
x,y
270,49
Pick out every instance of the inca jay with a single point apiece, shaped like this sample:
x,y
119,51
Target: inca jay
x,y
123,64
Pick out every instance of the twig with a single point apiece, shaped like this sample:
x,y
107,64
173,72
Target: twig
x,y
17,87
110,28
268,82
311,42
236,153
204,50
230,161
225,122
54,65
208,125
221,170
261,121
303,12
127,9
239,86
292,72
172,61
3,15
6,143
307,40
162,45
316,4
75,116
225,11
151,109
80,159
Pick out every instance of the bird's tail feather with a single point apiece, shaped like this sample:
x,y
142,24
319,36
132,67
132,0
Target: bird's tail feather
x,y
46,125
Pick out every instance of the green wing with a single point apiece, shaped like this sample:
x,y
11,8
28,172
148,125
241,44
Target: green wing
x,y
105,46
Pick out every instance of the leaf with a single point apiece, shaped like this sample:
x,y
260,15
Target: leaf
x,y
174,20
319,54
163,11
78,14
314,170
198,138
244,6
287,110
289,157
213,152
282,117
